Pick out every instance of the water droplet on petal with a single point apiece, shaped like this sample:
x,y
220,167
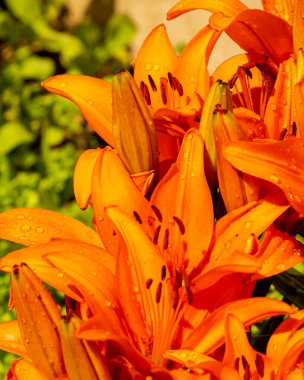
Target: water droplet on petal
x,y
25,228
273,107
63,84
60,275
156,67
40,230
273,178
248,225
148,66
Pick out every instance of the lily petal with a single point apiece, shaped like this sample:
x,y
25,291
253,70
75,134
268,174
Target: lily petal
x,y
22,369
278,114
112,186
279,339
209,334
38,318
251,30
82,353
91,277
11,339
278,252
155,59
93,97
254,221
239,353
280,8
198,362
31,226
83,177
92,330
180,189
191,69
278,162
225,11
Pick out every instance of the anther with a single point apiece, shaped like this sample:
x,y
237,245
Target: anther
x,y
158,292
283,134
137,217
156,234
178,86
152,83
145,92
163,90
244,362
180,224
149,283
237,363
163,272
16,270
294,128
259,363
166,239
157,213
170,76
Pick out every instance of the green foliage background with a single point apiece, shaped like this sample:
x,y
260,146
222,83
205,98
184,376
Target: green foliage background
x,y
41,135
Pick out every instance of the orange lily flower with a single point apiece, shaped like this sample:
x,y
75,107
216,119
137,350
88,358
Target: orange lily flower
x,y
172,87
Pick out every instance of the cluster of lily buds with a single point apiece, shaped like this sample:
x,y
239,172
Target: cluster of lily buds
x,y
197,198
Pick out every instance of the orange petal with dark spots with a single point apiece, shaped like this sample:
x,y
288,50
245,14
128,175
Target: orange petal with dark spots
x,y
184,193
155,59
93,97
238,352
32,226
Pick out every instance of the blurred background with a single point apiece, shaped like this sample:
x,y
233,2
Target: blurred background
x,y
41,134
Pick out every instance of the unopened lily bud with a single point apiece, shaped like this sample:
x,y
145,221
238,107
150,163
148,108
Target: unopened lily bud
x,y
133,127
237,188
219,93
38,318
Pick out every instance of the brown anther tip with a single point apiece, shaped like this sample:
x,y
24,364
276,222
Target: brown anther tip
x,y
157,213
15,270
149,283
163,272
120,72
219,81
137,217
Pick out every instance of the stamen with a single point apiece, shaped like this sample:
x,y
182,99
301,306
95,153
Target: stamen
x,y
244,362
145,92
156,234
149,283
163,90
163,272
260,365
114,233
150,220
175,298
283,134
180,224
166,239
152,83
170,76
178,87
247,374
15,270
237,363
157,213
158,292
137,217
294,128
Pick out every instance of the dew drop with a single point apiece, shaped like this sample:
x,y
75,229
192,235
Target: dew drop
x,y
273,178
281,267
60,275
189,137
192,174
20,216
184,355
192,79
227,244
63,84
182,177
25,228
248,225
186,155
156,67
273,107
90,102
148,66
40,230
275,347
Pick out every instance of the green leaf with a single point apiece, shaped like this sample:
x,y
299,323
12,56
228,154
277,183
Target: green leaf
x,y
12,135
35,67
